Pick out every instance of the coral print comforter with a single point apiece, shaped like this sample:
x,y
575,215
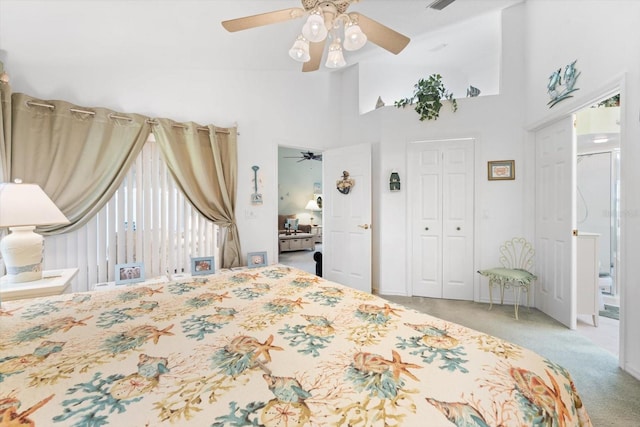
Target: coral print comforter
x,y
270,346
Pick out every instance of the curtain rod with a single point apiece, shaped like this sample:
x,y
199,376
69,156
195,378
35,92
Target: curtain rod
x,y
77,110
117,117
155,122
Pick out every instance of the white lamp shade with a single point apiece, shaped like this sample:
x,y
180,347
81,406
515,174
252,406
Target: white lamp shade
x,y
314,29
354,38
335,58
312,206
300,50
27,204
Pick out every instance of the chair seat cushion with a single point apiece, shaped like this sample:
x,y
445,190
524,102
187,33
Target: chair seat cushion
x,y
509,275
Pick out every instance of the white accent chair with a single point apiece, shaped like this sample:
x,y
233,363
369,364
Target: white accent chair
x,y
516,257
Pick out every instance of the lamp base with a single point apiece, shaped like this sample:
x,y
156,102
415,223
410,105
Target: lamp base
x,y
22,254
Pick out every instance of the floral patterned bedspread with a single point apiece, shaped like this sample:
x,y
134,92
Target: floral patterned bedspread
x,y
269,346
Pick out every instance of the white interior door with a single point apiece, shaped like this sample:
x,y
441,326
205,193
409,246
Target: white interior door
x,y
441,209
347,217
555,220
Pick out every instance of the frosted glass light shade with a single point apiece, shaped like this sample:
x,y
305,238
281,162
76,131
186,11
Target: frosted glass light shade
x,y
354,38
300,50
22,207
335,58
314,29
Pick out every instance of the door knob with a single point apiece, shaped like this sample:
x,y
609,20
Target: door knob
x,y
365,226
426,228
458,228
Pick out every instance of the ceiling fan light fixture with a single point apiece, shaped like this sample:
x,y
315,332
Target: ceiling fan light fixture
x,y
314,29
300,50
335,58
354,38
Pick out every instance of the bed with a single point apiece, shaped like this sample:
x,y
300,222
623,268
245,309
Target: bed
x,y
271,346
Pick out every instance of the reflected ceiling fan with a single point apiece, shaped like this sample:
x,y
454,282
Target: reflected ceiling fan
x,y
306,155
326,20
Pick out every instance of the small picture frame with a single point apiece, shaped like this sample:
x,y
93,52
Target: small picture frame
x,y
132,272
501,170
256,259
202,265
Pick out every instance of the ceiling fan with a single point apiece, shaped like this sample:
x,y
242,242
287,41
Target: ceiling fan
x,y
306,155
327,19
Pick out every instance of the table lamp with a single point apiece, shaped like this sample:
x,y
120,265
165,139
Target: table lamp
x,y
22,208
312,206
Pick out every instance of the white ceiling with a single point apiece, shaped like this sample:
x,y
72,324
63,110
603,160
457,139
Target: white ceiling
x,y
188,33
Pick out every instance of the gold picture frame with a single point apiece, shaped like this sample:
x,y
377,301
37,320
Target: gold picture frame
x,y
499,170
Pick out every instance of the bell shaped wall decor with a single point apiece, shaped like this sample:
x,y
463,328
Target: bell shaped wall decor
x,y
394,181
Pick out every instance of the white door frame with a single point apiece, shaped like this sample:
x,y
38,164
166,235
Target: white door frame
x,y
615,85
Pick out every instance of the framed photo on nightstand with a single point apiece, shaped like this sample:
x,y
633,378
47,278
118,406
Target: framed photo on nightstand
x,y
202,265
256,259
132,272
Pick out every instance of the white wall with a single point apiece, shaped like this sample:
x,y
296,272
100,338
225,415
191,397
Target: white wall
x,y
605,39
467,53
495,122
271,107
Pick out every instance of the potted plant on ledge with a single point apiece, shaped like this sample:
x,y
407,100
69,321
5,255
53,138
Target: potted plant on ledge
x,y
427,98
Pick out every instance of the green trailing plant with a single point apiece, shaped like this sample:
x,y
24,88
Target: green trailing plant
x,y
427,98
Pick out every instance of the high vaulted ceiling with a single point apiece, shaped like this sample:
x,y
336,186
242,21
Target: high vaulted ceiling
x,y
188,33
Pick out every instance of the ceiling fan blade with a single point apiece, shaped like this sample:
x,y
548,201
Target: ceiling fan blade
x,y
315,51
238,24
382,35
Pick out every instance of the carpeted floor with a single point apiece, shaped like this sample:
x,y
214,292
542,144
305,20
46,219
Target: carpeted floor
x,y
611,396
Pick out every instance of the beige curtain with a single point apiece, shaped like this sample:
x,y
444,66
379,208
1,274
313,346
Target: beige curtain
x,y
5,131
204,163
79,156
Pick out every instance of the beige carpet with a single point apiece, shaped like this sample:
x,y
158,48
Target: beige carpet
x,y
611,396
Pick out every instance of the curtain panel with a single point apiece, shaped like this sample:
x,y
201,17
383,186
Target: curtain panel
x,y
204,162
79,156
5,131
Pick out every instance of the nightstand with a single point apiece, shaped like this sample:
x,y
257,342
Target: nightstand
x,y
107,286
53,282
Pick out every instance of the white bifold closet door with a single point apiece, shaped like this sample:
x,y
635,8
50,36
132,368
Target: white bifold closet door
x,y
441,218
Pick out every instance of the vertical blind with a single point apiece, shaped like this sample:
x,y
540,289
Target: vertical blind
x,y
147,221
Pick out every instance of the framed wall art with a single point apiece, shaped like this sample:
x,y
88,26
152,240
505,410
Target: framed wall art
x,y
129,273
501,170
202,265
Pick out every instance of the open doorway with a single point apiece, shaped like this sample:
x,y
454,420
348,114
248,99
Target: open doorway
x,y
299,207
597,208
